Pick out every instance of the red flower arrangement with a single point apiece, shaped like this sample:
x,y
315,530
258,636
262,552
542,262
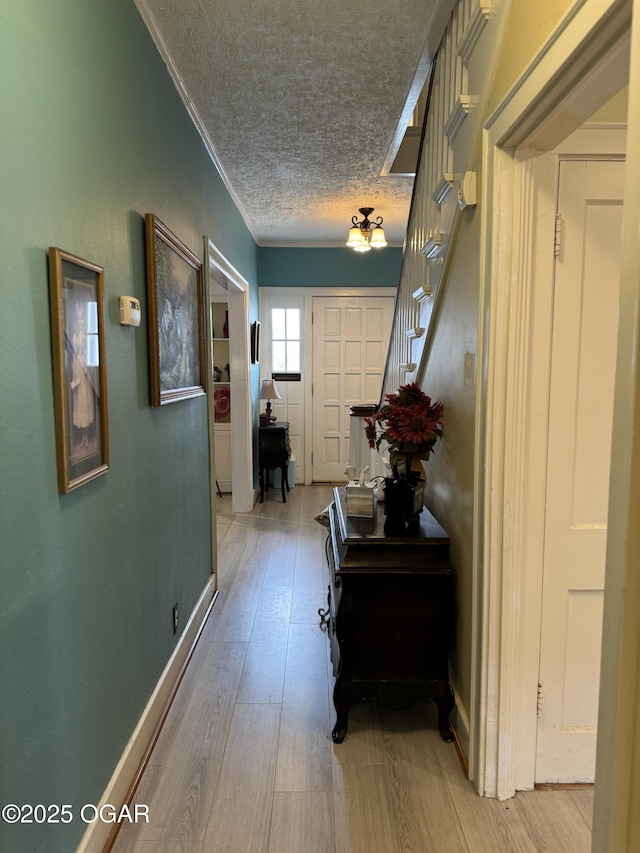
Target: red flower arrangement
x,y
411,425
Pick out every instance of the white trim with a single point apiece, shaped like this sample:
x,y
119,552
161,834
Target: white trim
x,y
415,333
474,29
96,834
501,757
329,291
616,818
460,111
488,494
422,293
460,722
441,192
435,245
267,304
213,490
308,293
415,89
242,489
323,244
570,58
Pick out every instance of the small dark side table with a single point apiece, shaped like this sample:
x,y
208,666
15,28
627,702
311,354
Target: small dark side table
x,y
274,451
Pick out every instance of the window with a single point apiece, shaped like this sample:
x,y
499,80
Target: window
x,y
285,340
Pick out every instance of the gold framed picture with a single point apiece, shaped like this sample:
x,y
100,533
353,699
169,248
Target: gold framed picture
x,y
79,368
176,318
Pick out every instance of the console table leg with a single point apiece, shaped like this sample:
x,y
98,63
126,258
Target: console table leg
x,y
341,703
445,702
339,731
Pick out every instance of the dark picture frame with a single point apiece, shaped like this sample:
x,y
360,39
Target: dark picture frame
x,y
76,290
255,342
176,316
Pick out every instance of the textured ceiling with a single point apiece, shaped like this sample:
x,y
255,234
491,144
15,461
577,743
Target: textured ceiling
x,y
300,102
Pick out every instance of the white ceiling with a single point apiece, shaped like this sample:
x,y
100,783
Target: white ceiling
x,y
301,102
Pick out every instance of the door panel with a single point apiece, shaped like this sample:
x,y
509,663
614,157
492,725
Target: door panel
x,y
351,335
584,339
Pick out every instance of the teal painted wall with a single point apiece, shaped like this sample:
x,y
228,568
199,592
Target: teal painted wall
x,y
92,136
339,267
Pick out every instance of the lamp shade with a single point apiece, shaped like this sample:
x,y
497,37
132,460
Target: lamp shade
x,y
268,390
377,240
355,238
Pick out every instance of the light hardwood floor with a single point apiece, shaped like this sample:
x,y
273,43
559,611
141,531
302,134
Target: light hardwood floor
x,y
245,762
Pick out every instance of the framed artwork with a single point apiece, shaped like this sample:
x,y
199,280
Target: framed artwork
x,y
79,369
255,342
176,318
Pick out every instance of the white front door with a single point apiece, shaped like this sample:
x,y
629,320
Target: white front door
x,y
350,341
585,316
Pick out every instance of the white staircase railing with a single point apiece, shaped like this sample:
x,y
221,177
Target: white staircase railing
x,y
457,87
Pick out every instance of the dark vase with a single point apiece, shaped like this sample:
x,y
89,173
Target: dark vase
x,y
403,501
225,328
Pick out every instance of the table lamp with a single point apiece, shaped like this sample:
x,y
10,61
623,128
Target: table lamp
x,y
269,392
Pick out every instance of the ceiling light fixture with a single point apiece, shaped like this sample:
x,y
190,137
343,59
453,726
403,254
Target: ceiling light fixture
x,y
365,234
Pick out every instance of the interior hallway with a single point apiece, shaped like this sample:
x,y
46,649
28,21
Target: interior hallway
x,y
245,761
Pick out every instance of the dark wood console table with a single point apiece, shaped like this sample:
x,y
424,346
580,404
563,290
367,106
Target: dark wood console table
x,y
390,614
274,451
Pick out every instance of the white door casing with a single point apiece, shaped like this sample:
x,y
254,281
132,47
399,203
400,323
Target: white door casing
x,y
291,407
271,297
496,760
350,341
242,493
585,313
511,448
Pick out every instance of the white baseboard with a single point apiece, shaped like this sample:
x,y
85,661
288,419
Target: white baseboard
x,y
460,723
97,833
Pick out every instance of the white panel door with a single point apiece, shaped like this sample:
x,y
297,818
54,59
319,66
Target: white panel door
x,y
350,341
579,444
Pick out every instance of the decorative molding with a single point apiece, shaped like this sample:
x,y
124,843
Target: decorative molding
x,y
443,189
523,110
422,293
415,333
463,107
473,30
434,245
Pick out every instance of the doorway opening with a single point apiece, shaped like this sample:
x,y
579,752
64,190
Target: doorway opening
x,y
504,703
222,277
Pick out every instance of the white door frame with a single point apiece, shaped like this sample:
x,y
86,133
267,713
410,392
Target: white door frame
x,y
242,492
557,93
308,293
